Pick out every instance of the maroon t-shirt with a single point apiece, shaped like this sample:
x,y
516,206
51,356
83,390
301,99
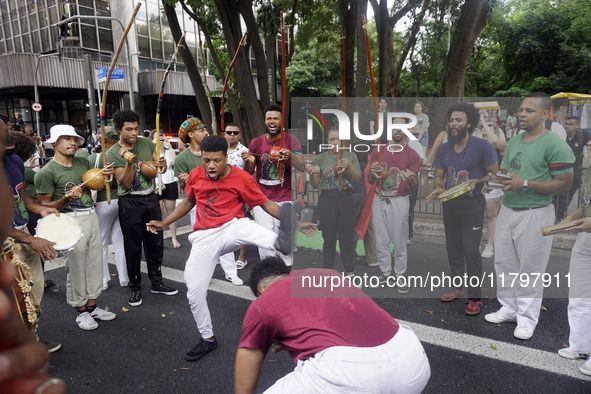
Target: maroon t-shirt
x,y
220,201
305,326
407,159
267,172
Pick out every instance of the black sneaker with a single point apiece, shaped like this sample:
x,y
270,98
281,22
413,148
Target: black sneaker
x,y
52,346
201,349
401,284
136,298
287,227
163,289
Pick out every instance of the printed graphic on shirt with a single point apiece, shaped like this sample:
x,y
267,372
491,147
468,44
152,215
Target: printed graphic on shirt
x,y
20,216
210,200
515,163
331,178
269,170
454,179
83,202
139,182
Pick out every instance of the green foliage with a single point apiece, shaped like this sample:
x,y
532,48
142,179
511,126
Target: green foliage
x,y
315,70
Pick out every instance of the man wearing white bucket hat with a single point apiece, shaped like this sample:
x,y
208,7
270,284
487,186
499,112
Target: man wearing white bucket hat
x,y
57,187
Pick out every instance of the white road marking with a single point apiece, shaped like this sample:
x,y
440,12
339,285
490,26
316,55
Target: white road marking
x,y
479,346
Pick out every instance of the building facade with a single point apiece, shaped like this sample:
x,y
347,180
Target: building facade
x,y
31,48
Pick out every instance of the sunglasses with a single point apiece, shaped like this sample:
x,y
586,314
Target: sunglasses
x,y
233,132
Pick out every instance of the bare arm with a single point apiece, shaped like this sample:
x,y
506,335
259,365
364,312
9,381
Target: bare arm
x,y
181,210
249,164
438,183
493,168
315,175
438,141
247,370
271,208
558,184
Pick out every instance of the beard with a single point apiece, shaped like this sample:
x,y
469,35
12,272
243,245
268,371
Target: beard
x,y
277,131
454,139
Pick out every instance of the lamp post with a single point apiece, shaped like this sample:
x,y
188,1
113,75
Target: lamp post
x,y
110,18
36,87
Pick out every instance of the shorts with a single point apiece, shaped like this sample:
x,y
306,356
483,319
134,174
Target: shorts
x,y
171,192
424,141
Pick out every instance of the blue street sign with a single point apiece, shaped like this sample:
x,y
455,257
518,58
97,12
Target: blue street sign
x,y
116,75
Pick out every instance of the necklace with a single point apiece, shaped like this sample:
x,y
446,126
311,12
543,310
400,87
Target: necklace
x,y
196,153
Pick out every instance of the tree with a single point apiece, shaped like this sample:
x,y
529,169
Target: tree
x,y
472,20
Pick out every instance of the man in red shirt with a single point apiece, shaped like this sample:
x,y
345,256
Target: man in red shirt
x,y
276,188
218,190
341,340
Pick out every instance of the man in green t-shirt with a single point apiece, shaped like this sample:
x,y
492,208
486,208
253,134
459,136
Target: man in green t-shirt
x,y
541,164
57,187
138,204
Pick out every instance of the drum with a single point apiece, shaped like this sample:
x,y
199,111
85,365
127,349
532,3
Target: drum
x,y
454,192
64,230
25,303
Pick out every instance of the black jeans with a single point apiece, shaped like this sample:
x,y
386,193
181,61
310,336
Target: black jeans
x,y
412,198
134,213
337,217
463,219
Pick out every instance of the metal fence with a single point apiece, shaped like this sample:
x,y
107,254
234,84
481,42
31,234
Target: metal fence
x,y
426,186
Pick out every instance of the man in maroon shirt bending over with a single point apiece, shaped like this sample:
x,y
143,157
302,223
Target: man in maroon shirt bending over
x,y
340,339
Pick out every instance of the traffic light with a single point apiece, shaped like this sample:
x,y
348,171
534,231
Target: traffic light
x,y
65,28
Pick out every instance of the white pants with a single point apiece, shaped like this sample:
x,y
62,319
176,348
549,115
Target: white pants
x,y
520,248
207,246
111,232
398,366
32,259
226,260
269,222
579,301
84,266
390,224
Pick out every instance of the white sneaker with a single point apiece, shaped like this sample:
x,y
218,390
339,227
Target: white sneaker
x,y
488,252
125,283
86,322
102,314
523,332
568,353
496,318
586,368
105,285
235,280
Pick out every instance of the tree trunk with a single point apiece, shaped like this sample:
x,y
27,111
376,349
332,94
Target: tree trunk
x,y
254,39
348,18
472,20
236,113
192,70
361,87
214,122
230,20
394,80
270,44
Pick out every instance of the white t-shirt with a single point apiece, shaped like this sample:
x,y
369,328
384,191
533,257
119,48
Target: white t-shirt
x,y
235,158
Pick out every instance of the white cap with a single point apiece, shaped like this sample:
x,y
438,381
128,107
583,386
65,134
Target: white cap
x,y
62,130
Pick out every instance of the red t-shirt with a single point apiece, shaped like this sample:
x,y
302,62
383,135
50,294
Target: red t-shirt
x,y
407,159
220,201
305,326
267,172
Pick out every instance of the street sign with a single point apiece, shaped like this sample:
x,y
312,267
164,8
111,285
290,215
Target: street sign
x,y
37,107
116,75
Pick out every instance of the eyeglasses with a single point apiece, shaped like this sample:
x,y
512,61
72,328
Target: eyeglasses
x,y
232,132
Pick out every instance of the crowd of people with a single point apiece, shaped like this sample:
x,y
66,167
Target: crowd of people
x,y
223,179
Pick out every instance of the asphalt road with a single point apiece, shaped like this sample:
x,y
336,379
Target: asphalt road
x,y
142,349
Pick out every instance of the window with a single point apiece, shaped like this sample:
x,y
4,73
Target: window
x,y
142,28
156,49
144,46
88,36
106,40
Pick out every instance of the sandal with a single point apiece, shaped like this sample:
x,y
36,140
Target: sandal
x,y
240,264
176,244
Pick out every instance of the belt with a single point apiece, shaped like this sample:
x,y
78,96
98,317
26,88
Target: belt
x,y
526,209
81,212
144,192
